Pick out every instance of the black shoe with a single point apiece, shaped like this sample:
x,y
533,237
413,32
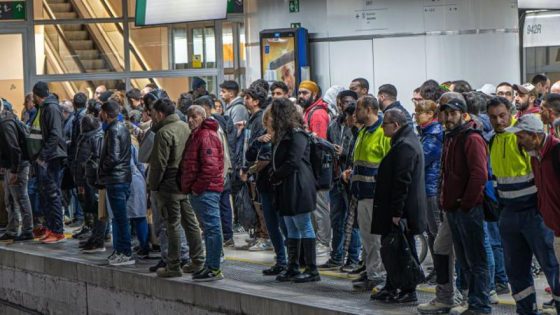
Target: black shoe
x,y
208,275
384,295
404,297
311,273
7,238
293,246
160,264
274,270
288,275
363,277
361,268
431,278
143,253
79,235
330,265
348,266
83,243
91,248
24,237
502,288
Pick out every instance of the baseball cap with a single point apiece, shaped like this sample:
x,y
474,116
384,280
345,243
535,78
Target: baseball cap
x,y
455,104
525,88
530,123
488,89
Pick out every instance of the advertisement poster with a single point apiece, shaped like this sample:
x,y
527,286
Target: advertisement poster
x,y
279,60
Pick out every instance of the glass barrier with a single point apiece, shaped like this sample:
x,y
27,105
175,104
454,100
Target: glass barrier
x,y
79,48
149,48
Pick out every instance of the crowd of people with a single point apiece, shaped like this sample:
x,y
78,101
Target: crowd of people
x,y
478,171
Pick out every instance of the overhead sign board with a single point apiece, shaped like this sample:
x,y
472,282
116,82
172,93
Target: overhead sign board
x,y
12,10
539,4
153,12
541,29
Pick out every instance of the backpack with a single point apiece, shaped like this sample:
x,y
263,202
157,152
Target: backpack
x,y
321,159
23,134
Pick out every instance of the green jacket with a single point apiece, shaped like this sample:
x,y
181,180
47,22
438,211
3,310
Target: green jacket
x,y
167,153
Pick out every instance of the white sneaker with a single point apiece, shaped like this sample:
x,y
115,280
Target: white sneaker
x,y
261,245
121,260
458,310
493,296
322,250
434,307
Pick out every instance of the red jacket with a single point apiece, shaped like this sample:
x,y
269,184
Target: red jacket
x,y
547,181
318,123
464,168
202,168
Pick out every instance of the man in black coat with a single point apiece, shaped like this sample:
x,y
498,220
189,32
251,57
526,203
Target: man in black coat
x,y
400,194
50,161
115,174
14,158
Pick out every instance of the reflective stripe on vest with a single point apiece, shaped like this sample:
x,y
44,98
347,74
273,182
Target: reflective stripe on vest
x,y
518,193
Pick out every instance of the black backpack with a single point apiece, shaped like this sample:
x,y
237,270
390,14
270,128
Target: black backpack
x,y
321,159
556,159
23,134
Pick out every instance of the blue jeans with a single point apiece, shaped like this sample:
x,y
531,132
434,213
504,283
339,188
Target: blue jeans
x,y
226,214
117,195
524,235
49,179
339,213
299,226
275,226
34,196
500,275
467,229
461,283
207,206
78,211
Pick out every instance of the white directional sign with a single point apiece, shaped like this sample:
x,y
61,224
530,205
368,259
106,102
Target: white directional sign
x,y
151,12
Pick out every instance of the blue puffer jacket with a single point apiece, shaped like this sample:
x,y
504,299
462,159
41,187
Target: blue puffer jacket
x,y
431,138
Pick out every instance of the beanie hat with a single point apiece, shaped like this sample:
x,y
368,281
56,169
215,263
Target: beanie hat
x,y
309,85
41,89
197,82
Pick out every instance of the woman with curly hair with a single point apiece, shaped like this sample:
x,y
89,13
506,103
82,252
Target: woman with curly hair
x,y
294,188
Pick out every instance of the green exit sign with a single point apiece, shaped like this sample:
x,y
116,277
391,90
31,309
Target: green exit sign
x,y
293,6
295,25
13,10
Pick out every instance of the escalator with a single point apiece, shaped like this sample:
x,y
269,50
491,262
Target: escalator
x,y
84,48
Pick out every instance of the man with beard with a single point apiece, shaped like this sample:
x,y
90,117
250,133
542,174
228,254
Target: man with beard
x,y
360,86
464,174
522,228
525,98
316,118
551,114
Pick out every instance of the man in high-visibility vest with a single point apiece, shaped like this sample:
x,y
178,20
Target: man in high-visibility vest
x,y
522,227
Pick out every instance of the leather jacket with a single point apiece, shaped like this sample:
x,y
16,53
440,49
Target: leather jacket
x,y
114,162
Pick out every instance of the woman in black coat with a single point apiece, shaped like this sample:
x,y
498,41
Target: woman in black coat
x,y
400,193
294,188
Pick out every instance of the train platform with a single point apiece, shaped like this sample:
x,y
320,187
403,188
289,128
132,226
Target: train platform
x,y
59,279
